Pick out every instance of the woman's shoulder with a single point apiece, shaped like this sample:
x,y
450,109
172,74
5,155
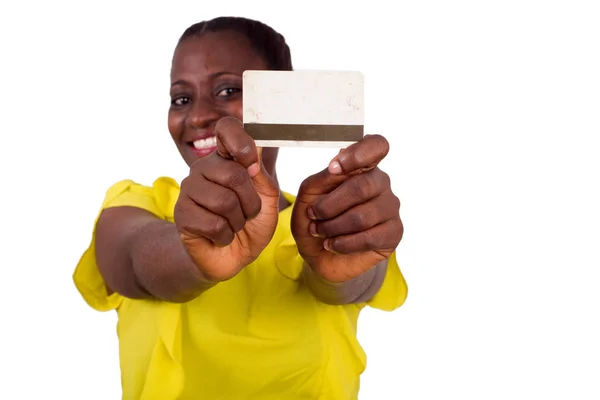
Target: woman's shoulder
x,y
159,185
159,197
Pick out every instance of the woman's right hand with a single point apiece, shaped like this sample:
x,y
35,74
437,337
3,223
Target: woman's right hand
x,y
227,209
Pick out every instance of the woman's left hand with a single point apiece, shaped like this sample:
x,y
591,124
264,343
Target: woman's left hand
x,y
346,218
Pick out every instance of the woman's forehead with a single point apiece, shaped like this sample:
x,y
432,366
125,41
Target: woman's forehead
x,y
214,52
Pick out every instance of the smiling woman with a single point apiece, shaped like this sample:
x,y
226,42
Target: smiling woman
x,y
207,68
225,286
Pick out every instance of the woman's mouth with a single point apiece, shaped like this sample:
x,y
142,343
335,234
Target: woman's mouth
x,y
205,146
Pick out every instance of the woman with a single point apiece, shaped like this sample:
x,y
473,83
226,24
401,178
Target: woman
x,y
226,287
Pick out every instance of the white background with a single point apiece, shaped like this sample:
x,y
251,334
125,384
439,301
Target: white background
x,y
493,113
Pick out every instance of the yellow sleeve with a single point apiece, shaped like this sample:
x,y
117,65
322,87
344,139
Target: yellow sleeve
x,y
393,291
87,277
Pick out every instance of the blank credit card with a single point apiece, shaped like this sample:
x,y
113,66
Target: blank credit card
x,y
303,108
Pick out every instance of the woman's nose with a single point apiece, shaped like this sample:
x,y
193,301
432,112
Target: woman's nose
x,y
202,114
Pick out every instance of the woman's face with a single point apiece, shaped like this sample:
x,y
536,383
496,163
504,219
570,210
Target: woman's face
x,y
206,85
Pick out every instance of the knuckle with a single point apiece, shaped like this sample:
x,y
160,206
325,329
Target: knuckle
x,y
382,177
216,227
238,147
359,220
244,149
185,183
181,212
226,124
371,184
304,186
198,166
360,156
179,215
396,202
239,144
307,187
179,207
390,202
306,183
399,230
236,177
393,236
228,202
370,240
357,191
314,183
361,186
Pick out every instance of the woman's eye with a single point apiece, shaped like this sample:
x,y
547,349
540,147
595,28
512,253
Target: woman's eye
x,y
227,92
180,101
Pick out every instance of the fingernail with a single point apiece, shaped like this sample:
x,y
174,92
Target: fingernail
x,y
312,228
311,213
253,170
335,167
327,244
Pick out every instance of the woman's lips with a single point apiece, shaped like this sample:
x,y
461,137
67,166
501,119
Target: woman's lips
x,y
204,146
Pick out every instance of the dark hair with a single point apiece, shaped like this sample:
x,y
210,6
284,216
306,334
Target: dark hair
x,y
265,40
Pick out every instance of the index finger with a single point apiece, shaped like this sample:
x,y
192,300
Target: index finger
x,y
361,156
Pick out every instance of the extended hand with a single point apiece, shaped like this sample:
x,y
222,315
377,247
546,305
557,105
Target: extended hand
x,y
227,210
346,218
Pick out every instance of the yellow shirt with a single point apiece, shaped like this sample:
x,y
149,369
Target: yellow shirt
x,y
260,335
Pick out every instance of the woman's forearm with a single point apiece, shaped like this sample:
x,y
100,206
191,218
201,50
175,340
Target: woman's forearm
x,y
141,256
162,265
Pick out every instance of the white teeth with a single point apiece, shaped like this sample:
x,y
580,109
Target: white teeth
x,y
205,143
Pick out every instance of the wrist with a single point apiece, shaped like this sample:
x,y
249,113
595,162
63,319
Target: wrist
x,y
163,265
355,290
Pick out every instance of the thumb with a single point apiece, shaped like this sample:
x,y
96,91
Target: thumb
x,y
234,143
360,157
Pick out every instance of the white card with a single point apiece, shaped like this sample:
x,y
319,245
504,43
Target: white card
x,y
303,108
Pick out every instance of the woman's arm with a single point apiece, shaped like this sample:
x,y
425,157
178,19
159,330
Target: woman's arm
x,y
141,256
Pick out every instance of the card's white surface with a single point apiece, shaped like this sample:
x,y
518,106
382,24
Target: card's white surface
x,y
303,97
